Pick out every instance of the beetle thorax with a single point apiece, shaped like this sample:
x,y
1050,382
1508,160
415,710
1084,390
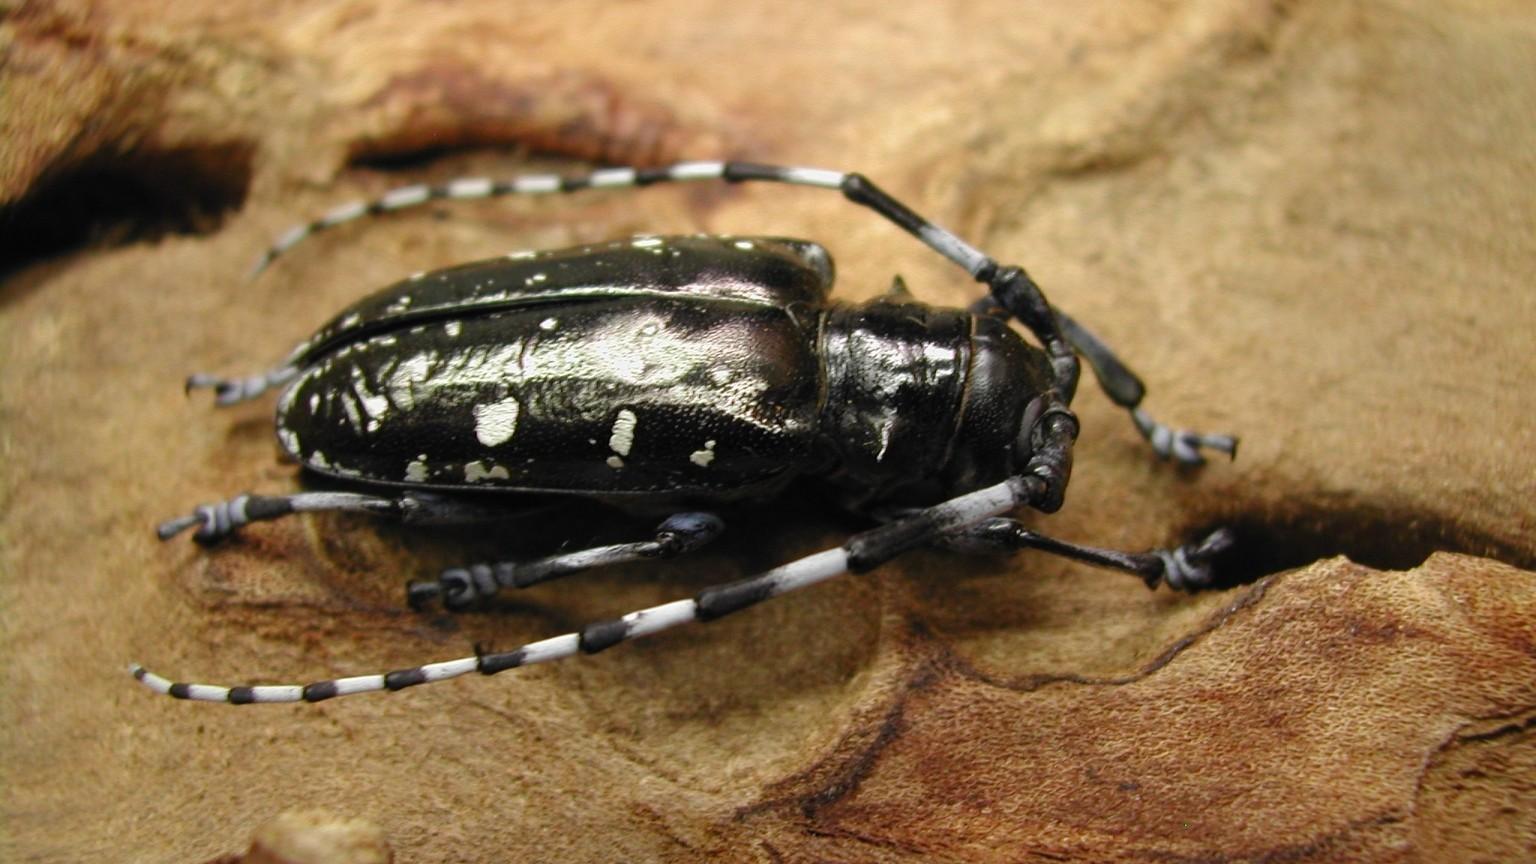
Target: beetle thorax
x,y
924,403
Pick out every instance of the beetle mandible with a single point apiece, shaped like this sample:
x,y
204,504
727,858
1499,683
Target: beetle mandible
x,y
680,372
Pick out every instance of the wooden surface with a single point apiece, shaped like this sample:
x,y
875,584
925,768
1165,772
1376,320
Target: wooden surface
x,y
1308,223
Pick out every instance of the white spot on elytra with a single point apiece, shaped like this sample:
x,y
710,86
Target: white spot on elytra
x,y
743,244
453,328
646,242
403,380
374,404
615,462
354,414
623,436
522,255
477,471
549,324
415,471
702,458
885,439
495,422
290,440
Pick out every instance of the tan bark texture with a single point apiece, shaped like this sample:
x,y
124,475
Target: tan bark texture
x,y
1310,223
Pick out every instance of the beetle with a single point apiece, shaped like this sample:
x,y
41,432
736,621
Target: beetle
x,y
670,373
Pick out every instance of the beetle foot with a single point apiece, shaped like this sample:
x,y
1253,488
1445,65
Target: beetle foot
x,y
229,391
1182,445
213,522
458,588
1188,568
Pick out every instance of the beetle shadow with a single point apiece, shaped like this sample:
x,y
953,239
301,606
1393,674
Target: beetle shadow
x,y
115,198
1379,537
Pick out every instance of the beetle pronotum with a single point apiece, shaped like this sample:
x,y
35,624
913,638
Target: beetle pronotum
x,y
677,372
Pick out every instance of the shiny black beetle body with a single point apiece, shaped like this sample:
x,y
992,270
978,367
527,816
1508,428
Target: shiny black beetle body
x,y
662,373
659,370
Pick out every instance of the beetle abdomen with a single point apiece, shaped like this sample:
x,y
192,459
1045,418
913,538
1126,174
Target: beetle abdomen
x,y
690,396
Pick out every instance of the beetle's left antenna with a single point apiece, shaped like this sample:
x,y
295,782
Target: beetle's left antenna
x,y
1010,288
468,188
473,188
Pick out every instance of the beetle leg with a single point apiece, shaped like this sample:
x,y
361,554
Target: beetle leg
x,y
461,587
1185,568
228,391
862,552
1125,389
1182,444
214,522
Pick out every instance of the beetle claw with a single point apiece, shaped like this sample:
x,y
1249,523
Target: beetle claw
x,y
420,595
1214,544
205,381
456,589
214,522
1188,568
171,527
1181,445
